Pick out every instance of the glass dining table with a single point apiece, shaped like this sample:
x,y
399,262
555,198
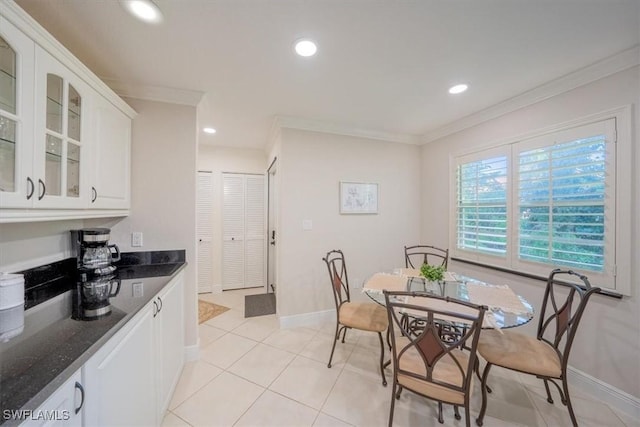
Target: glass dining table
x,y
506,309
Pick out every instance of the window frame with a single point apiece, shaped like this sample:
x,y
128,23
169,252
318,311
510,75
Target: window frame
x,y
617,275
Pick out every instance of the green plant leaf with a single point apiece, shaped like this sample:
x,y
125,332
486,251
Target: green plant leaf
x,y
432,273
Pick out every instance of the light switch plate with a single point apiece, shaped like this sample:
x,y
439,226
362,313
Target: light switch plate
x,y
307,224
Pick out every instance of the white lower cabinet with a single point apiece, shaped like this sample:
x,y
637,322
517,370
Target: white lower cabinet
x,y
120,377
62,408
131,379
169,342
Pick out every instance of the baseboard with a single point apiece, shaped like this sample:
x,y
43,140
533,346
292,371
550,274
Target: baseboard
x,y
307,319
607,393
192,352
216,289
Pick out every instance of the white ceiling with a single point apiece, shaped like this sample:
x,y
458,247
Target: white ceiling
x,y
382,65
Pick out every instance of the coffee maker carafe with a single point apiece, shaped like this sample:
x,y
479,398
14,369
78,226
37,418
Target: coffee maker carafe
x,y
97,281
95,254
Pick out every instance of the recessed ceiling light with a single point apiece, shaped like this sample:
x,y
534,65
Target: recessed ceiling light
x,y
145,10
305,47
209,130
458,89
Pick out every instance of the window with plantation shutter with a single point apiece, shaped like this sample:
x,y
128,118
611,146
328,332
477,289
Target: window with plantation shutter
x,y
564,201
482,206
561,204
546,201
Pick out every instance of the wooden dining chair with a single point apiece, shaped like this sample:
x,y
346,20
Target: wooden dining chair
x,y
424,361
415,256
547,354
363,316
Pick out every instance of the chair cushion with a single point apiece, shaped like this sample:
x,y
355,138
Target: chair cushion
x,y
446,371
519,352
364,316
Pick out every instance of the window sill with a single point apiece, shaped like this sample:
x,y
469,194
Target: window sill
x,y
603,292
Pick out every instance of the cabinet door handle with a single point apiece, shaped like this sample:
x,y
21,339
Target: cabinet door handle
x,y
43,187
160,301
95,194
79,387
155,308
33,188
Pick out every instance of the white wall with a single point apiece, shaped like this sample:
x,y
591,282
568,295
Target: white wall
x,y
218,160
163,191
608,343
310,167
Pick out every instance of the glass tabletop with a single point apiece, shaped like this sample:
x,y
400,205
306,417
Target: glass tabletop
x,y
459,289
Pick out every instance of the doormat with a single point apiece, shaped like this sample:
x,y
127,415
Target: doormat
x,y
259,305
208,310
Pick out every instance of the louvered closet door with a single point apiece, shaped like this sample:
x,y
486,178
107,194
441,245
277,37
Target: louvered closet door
x,y
204,229
233,232
243,223
255,231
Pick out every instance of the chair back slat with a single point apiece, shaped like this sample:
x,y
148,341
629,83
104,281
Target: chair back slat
x,y
337,284
430,346
338,276
562,308
416,256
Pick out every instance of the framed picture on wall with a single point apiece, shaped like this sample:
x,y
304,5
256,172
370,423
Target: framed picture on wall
x,y
358,198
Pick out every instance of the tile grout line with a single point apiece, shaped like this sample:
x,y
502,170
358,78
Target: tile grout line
x,y
533,402
320,411
268,386
316,332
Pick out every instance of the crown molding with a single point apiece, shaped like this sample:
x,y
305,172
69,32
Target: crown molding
x,y
345,130
155,93
614,64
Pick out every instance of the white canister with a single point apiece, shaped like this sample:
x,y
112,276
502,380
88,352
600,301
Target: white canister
x,y
11,290
11,322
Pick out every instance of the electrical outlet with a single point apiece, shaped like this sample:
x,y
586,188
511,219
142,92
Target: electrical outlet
x,y
136,239
138,289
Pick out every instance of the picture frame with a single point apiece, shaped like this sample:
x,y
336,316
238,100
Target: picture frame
x,y
358,198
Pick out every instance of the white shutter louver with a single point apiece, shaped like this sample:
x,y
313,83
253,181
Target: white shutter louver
x,y
482,206
561,203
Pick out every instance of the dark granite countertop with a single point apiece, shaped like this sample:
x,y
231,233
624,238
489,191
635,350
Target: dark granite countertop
x,y
54,346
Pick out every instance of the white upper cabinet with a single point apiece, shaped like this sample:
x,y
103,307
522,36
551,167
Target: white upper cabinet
x,y
17,186
65,137
111,180
61,146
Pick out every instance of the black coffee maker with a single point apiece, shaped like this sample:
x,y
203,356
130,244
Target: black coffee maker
x,y
97,280
95,254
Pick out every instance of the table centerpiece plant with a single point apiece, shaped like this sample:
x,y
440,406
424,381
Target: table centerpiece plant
x,y
432,273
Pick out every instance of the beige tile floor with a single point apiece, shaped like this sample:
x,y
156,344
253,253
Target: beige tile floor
x,y
252,373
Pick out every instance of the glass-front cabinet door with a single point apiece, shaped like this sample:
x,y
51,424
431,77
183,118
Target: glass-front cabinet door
x,y
16,117
60,159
